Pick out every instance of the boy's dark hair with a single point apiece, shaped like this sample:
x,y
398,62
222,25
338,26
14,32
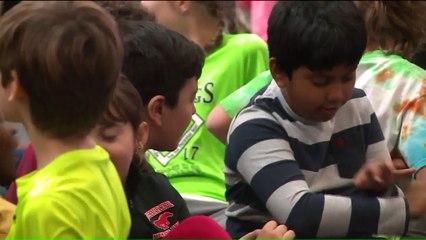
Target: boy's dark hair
x,y
316,34
67,56
157,60
225,12
126,10
6,6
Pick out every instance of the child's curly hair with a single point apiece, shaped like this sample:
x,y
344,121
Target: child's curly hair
x,y
398,27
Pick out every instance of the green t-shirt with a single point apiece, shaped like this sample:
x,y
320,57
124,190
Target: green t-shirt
x,y
77,195
237,100
196,166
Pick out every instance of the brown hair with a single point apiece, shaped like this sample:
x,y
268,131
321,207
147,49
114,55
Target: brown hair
x,y
67,56
126,10
225,12
125,106
396,26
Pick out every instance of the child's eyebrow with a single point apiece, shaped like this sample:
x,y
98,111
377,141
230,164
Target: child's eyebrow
x,y
327,74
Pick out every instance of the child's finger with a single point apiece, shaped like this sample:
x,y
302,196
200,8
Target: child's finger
x,y
403,172
281,229
271,225
289,234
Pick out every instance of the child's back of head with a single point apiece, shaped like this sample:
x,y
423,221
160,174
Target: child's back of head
x,y
67,57
318,35
395,26
126,10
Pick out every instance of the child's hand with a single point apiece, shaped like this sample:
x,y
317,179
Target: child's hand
x,y
379,175
270,230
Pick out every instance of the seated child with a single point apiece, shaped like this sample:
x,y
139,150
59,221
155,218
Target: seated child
x,y
60,87
308,151
123,134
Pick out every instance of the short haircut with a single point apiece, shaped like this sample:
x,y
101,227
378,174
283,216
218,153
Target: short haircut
x,y
316,34
157,60
398,27
126,10
67,56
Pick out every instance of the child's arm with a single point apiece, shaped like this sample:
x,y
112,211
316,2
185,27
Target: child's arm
x,y
220,117
412,138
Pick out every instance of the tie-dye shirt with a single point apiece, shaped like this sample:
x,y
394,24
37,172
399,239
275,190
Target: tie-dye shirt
x,y
397,91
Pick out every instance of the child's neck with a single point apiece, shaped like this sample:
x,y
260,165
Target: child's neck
x,y
48,148
372,46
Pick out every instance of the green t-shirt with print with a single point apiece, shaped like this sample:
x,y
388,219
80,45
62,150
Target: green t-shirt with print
x,y
196,166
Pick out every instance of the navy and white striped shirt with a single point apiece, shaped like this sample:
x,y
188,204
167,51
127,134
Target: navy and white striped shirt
x,y
280,166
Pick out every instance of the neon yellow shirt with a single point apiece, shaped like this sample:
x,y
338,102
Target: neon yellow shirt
x,y
77,195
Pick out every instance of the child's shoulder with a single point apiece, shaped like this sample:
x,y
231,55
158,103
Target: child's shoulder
x,y
384,67
358,93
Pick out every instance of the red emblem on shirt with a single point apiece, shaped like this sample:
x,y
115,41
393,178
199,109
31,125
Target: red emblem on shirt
x,y
162,221
340,142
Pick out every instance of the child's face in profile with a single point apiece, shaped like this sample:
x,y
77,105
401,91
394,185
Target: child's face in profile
x,y
118,139
177,118
318,95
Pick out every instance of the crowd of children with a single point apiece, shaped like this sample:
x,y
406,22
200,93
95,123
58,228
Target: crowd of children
x,y
158,119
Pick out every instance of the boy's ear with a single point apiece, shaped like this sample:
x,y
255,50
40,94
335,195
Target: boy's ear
x,y
155,109
181,6
14,89
280,77
142,134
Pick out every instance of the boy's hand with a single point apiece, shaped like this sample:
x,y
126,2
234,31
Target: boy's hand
x,y
271,230
379,175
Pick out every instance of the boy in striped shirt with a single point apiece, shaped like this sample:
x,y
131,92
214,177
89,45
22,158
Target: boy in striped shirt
x,y
308,151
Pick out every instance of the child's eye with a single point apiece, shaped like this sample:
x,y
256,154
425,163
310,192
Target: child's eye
x,y
320,81
109,134
108,138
